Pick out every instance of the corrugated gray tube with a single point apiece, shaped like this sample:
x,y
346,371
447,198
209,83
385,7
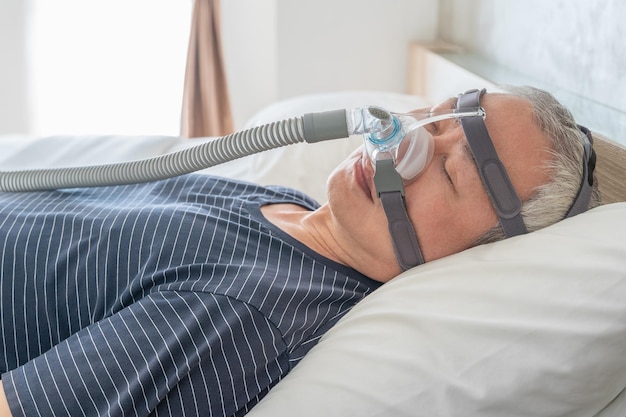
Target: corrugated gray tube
x,y
312,127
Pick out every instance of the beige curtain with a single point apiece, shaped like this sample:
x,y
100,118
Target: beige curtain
x,y
206,106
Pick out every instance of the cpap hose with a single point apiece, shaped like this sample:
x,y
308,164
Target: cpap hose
x,y
164,166
310,128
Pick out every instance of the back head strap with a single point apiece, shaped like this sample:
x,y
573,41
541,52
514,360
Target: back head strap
x,y
583,197
493,174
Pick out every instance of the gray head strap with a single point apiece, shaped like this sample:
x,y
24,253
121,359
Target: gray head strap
x,y
493,174
583,197
390,190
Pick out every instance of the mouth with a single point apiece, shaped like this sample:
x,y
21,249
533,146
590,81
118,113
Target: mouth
x,y
362,177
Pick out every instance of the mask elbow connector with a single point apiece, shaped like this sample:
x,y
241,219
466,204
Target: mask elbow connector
x,y
338,124
318,127
365,120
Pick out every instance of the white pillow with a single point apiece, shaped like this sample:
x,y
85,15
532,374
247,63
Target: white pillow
x,y
530,326
307,166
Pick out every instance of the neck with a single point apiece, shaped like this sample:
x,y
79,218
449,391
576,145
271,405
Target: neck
x,y
317,230
309,227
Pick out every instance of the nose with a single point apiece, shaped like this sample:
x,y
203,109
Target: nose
x,y
445,142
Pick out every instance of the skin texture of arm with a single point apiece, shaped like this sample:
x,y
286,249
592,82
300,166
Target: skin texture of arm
x,y
4,405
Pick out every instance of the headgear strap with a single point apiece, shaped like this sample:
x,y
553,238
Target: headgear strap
x,y
581,202
506,202
494,176
390,190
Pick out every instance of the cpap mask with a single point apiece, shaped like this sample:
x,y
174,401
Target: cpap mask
x,y
401,138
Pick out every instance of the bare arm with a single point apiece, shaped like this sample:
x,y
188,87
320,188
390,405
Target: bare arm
x,y
4,405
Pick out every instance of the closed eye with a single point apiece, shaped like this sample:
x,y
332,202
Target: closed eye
x,y
444,171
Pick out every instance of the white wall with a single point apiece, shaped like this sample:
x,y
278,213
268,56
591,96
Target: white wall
x,y
349,44
249,40
276,49
14,90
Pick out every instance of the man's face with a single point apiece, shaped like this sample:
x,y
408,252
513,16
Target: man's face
x,y
447,203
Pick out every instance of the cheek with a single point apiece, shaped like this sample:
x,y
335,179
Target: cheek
x,y
446,225
450,235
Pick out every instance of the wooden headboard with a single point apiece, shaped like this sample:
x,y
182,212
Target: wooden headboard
x,y
432,74
610,169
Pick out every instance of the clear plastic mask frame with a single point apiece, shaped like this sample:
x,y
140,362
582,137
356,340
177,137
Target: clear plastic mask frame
x,y
405,140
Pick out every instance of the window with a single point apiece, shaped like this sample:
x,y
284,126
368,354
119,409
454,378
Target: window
x,y
107,67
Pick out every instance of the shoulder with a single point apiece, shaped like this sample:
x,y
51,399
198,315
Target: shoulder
x,y
212,316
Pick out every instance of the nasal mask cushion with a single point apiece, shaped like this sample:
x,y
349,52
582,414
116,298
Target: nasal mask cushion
x,y
410,149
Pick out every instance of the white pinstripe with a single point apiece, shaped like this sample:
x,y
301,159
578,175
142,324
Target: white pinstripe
x,y
144,296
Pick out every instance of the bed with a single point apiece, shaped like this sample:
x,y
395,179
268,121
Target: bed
x,y
531,326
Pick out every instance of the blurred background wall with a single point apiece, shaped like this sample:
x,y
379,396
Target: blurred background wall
x,y
276,49
574,48
577,45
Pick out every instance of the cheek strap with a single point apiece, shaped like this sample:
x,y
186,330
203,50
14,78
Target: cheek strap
x,y
390,190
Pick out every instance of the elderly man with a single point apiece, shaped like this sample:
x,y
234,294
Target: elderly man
x,y
195,295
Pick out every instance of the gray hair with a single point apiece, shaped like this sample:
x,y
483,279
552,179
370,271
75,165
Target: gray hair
x,y
550,202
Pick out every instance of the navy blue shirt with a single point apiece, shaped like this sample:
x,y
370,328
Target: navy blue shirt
x,y
171,298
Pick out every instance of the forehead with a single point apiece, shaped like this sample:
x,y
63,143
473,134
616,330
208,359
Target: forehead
x,y
521,145
509,110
